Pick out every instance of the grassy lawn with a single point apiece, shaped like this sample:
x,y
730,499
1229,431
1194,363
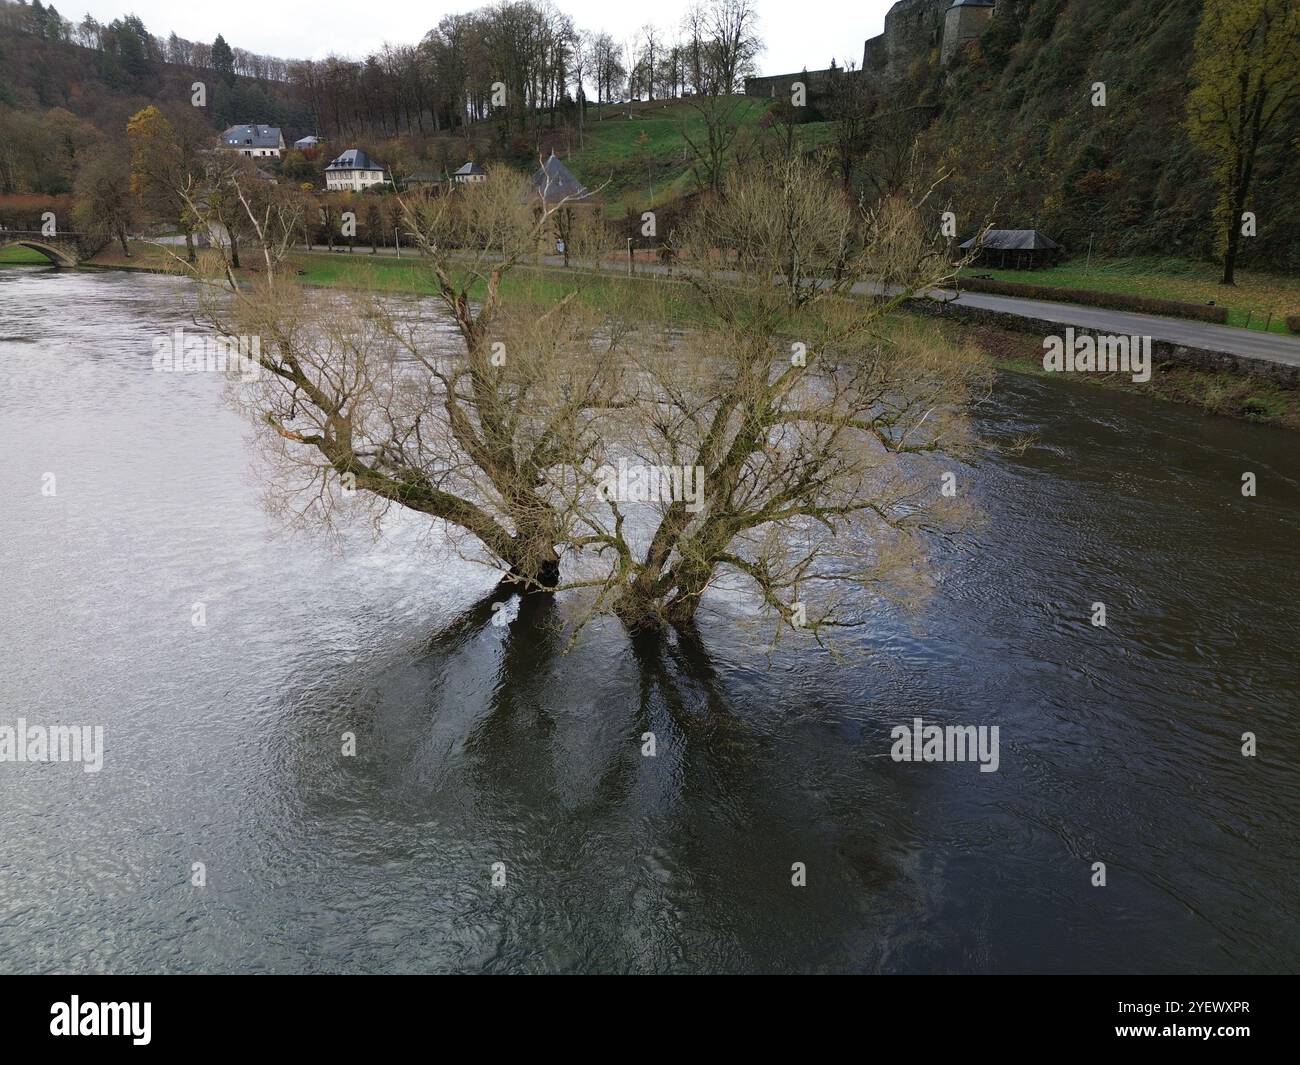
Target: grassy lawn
x,y
1250,302
360,269
1254,294
21,256
542,285
614,152
409,274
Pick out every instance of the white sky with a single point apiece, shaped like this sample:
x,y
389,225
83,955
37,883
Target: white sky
x,y
799,33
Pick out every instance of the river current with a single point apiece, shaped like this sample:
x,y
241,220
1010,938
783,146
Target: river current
x,y
482,744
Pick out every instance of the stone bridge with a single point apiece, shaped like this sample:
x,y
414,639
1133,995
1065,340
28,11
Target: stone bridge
x,y
64,249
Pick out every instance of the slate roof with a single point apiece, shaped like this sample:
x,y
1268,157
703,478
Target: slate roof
x,y
354,159
1013,240
973,3
469,170
554,182
259,136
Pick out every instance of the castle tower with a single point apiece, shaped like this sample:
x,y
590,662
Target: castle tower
x,y
965,21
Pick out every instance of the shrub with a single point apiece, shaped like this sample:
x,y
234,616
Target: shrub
x,y
24,210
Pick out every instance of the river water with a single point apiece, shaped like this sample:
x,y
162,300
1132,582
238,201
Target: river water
x,y
481,743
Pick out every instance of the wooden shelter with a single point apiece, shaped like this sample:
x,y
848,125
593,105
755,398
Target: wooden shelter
x,y
1014,249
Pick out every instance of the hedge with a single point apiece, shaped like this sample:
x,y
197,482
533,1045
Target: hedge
x,y
20,210
1118,301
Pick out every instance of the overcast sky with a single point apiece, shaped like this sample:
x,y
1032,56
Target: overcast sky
x,y
798,33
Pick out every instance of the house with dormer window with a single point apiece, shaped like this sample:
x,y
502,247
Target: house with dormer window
x,y
354,170
256,141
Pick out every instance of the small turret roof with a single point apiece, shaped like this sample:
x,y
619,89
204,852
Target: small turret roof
x,y
556,183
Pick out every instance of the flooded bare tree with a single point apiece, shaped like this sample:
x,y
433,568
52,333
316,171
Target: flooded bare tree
x,y
459,417
815,438
803,442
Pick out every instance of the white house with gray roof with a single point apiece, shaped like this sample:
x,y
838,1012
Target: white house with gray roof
x,y
469,174
354,170
260,142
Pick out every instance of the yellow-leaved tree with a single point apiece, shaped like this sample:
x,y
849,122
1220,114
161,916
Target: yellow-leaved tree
x,y
165,157
1247,82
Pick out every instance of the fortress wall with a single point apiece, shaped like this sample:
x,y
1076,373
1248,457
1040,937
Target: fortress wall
x,y
779,84
913,28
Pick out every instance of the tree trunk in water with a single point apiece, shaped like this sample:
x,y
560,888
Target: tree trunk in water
x,y
691,580
638,611
536,563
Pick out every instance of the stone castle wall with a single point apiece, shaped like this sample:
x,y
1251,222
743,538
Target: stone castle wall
x,y
963,24
816,81
913,28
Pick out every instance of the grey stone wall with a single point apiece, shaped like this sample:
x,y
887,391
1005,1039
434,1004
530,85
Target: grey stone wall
x,y
779,84
963,24
913,29
1162,351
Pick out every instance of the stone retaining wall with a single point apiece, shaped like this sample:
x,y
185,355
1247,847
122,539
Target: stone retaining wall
x,y
1162,351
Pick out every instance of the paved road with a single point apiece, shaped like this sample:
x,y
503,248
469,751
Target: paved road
x,y
1271,347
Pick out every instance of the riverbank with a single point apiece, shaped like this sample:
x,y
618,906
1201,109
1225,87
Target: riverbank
x,y
1221,393
1258,301
1225,394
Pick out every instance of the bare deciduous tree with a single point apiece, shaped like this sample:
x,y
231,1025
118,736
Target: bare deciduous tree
x,y
819,435
816,436
105,206
721,42
848,100
460,418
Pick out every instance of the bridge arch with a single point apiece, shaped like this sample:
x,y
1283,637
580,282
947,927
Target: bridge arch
x,y
58,252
